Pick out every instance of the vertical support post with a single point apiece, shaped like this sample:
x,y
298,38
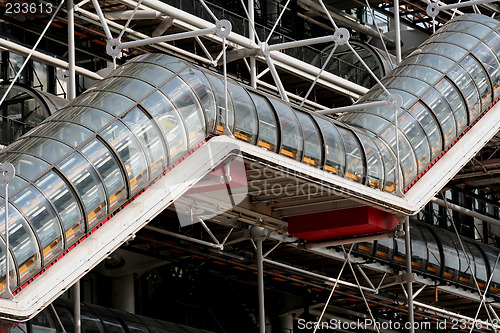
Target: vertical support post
x,y
409,284
251,36
397,27
258,234
260,282
72,95
7,173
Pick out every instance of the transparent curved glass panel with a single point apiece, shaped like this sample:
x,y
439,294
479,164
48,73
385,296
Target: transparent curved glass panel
x,y
434,262
15,184
406,153
51,150
472,27
480,78
66,205
312,141
439,106
44,221
172,63
132,88
334,147
424,73
202,88
3,268
453,51
374,166
416,135
109,170
435,61
151,73
491,62
245,115
408,84
89,186
111,102
389,161
468,89
169,122
430,125
419,252
22,241
354,168
456,102
218,86
189,108
461,39
292,143
131,155
26,165
149,137
367,121
481,271
268,124
90,117
70,134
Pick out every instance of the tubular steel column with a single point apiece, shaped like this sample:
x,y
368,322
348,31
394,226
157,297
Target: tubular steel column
x,y
397,29
409,284
251,36
258,235
72,95
7,173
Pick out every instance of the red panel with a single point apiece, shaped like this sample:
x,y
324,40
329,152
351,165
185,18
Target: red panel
x,y
344,223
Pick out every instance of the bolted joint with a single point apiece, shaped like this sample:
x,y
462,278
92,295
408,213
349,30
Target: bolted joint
x,y
341,36
432,10
113,47
7,173
223,28
258,233
264,49
395,101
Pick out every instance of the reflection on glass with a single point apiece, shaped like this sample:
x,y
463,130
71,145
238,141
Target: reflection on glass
x,y
90,188
268,131
334,147
374,166
354,168
109,170
292,143
312,141
26,165
150,139
170,123
189,108
130,153
66,205
221,101
42,217
22,242
245,115
87,116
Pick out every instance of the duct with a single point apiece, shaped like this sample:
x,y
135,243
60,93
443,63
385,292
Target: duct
x,y
42,57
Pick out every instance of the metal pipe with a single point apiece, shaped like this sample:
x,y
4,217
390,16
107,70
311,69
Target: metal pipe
x,y
299,43
464,4
409,283
42,57
139,15
194,240
355,107
7,245
397,28
392,234
76,311
168,38
260,283
466,211
301,68
102,19
276,78
318,276
251,36
346,21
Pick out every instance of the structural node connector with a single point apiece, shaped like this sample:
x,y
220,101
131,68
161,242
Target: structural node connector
x,y
7,173
113,47
223,28
432,9
341,36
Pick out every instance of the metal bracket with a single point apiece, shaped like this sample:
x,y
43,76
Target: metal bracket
x,y
432,10
341,36
398,279
395,101
223,28
7,173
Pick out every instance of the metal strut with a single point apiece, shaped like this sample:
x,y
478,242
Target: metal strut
x,y
7,173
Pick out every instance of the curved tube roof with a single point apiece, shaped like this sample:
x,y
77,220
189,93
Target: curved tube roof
x,y
103,148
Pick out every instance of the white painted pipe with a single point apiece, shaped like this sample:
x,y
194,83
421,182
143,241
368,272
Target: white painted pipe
x,y
42,57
